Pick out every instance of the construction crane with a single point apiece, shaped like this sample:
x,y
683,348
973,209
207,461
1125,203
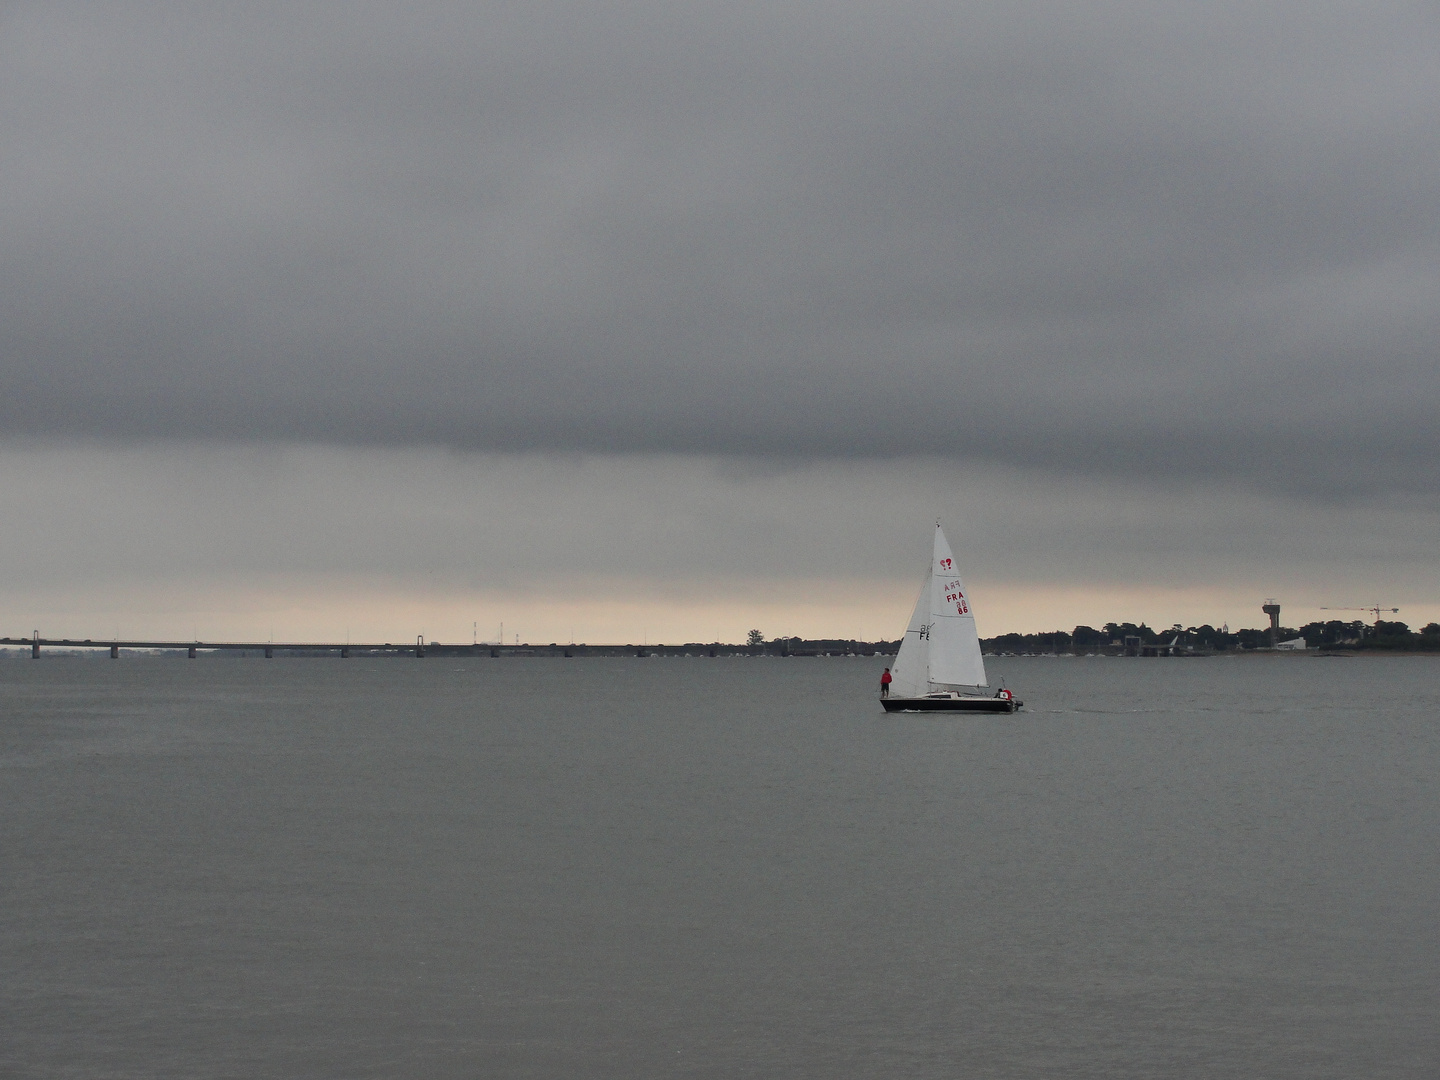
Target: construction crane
x,y
1376,610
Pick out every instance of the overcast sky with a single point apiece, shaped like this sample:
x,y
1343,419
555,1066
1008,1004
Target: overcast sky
x,y
665,319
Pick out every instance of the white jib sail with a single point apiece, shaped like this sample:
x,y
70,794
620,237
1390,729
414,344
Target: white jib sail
x,y
910,674
954,645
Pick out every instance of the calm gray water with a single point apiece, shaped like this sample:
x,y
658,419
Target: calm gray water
x,y
717,868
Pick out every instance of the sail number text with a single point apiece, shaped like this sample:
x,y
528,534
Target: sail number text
x,y
954,595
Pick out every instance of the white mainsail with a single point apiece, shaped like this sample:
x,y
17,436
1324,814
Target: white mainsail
x,y
941,645
954,643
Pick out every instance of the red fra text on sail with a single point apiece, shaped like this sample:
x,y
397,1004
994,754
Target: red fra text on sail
x,y
955,595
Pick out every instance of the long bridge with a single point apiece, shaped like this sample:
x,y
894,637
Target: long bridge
x,y
420,648
269,648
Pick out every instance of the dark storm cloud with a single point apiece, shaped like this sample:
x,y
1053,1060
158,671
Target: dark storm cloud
x,y
1189,238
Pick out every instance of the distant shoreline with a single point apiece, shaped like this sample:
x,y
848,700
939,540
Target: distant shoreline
x,y
13,650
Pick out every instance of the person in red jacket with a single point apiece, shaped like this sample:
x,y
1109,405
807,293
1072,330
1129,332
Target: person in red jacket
x,y
885,683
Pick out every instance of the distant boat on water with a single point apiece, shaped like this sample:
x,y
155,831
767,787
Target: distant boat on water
x,y
939,667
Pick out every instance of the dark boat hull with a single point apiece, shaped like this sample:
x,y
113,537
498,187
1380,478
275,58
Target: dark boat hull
x,y
951,704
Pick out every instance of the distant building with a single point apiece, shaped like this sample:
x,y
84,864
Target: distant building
x,y
1293,645
1272,608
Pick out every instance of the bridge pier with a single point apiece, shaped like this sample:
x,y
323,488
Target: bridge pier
x,y
419,648
114,652
35,646
192,652
269,653
345,653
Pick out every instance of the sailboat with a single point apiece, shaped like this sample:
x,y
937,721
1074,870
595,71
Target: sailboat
x,y
939,667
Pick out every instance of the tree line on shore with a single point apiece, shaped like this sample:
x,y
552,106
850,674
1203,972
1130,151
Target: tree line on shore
x,y
1335,634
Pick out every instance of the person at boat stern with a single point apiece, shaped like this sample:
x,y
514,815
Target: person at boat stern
x,y
885,683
